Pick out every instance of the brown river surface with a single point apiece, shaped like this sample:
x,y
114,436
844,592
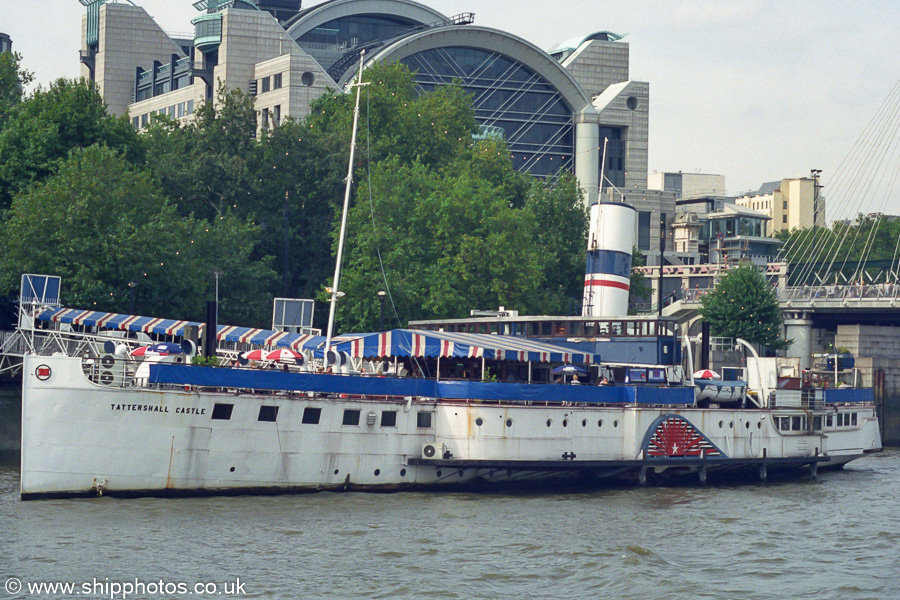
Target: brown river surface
x,y
837,537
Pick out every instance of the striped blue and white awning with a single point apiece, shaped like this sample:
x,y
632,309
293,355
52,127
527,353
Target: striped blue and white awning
x,y
150,325
395,343
432,344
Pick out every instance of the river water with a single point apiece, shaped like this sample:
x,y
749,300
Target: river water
x,y
834,538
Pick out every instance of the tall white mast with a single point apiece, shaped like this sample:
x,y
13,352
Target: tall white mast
x,y
340,253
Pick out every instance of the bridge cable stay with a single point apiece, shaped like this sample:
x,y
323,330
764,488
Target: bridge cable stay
x,y
878,181
872,154
806,247
809,246
876,148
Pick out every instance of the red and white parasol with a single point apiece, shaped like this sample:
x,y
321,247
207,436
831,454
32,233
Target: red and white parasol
x,y
284,355
706,374
255,355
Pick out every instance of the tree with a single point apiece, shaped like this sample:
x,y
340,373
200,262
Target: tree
x,y
100,223
639,290
49,124
841,247
560,241
209,166
13,80
743,305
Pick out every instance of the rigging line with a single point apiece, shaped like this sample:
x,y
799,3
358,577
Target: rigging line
x,y
387,287
424,368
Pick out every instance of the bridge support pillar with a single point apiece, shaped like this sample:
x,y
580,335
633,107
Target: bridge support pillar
x,y
798,327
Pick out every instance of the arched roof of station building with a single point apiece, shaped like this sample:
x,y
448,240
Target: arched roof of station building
x,y
317,15
486,39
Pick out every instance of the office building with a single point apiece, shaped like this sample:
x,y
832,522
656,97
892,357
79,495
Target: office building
x,y
558,111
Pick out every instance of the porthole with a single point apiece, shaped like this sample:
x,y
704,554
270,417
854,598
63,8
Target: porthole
x,y
336,471
759,425
600,423
731,425
584,422
479,421
307,79
549,422
231,469
402,472
747,424
377,472
615,423
438,473
631,103
565,422
721,424
509,422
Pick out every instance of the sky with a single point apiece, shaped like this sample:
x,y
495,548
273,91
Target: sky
x,y
755,90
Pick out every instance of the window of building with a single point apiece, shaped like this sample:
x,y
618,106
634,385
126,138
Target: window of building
x,y
264,118
389,418
268,414
136,122
190,107
311,415
276,81
784,218
351,417
643,240
276,116
265,84
144,118
423,419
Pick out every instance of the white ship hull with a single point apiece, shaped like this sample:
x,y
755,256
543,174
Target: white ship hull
x,y
80,437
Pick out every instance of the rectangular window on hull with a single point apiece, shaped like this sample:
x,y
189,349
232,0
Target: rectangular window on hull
x,y
351,417
389,418
423,419
311,415
222,412
268,413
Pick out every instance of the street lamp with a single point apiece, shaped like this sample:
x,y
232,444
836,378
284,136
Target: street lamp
x,y
382,296
662,249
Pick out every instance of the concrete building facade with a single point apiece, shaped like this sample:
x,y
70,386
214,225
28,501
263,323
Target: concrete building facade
x,y
688,185
789,204
557,111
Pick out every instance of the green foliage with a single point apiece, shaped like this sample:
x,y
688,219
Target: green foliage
x,y
51,123
743,305
211,165
869,238
205,361
100,224
639,290
13,80
453,224
449,241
